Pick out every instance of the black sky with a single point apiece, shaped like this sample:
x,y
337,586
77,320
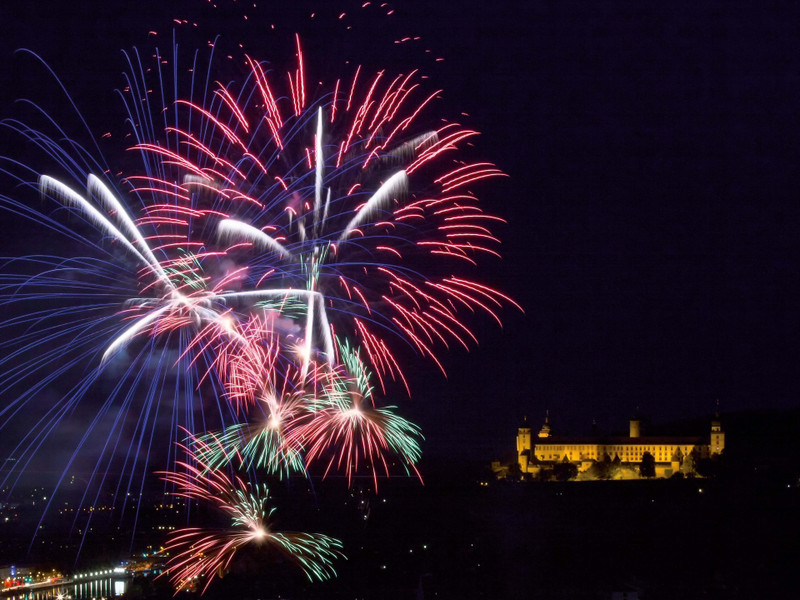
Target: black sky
x,y
653,154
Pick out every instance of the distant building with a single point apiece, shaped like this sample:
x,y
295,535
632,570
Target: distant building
x,y
672,454
11,575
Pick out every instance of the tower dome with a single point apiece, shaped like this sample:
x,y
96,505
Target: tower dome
x,y
545,430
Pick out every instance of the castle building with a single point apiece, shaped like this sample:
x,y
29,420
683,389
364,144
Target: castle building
x,y
669,452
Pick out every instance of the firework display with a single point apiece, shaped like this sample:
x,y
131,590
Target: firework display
x,y
196,552
258,281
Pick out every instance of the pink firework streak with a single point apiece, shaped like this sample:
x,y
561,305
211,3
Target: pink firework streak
x,y
336,200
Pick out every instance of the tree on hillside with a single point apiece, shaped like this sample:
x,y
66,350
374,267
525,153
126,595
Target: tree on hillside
x,y
647,468
600,469
689,464
712,467
565,470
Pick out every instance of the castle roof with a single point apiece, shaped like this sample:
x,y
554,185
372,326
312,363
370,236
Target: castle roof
x,y
661,440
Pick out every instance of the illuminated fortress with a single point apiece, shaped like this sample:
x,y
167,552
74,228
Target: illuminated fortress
x,y
671,454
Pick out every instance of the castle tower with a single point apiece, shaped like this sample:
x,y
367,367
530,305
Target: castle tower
x,y
523,444
636,427
544,432
717,435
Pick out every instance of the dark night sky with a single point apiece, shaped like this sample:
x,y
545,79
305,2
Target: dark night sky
x,y
653,154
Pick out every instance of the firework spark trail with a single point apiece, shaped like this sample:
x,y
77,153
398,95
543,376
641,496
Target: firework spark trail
x,y
257,374
197,552
347,430
355,436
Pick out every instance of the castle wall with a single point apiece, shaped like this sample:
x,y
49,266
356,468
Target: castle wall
x,y
627,452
